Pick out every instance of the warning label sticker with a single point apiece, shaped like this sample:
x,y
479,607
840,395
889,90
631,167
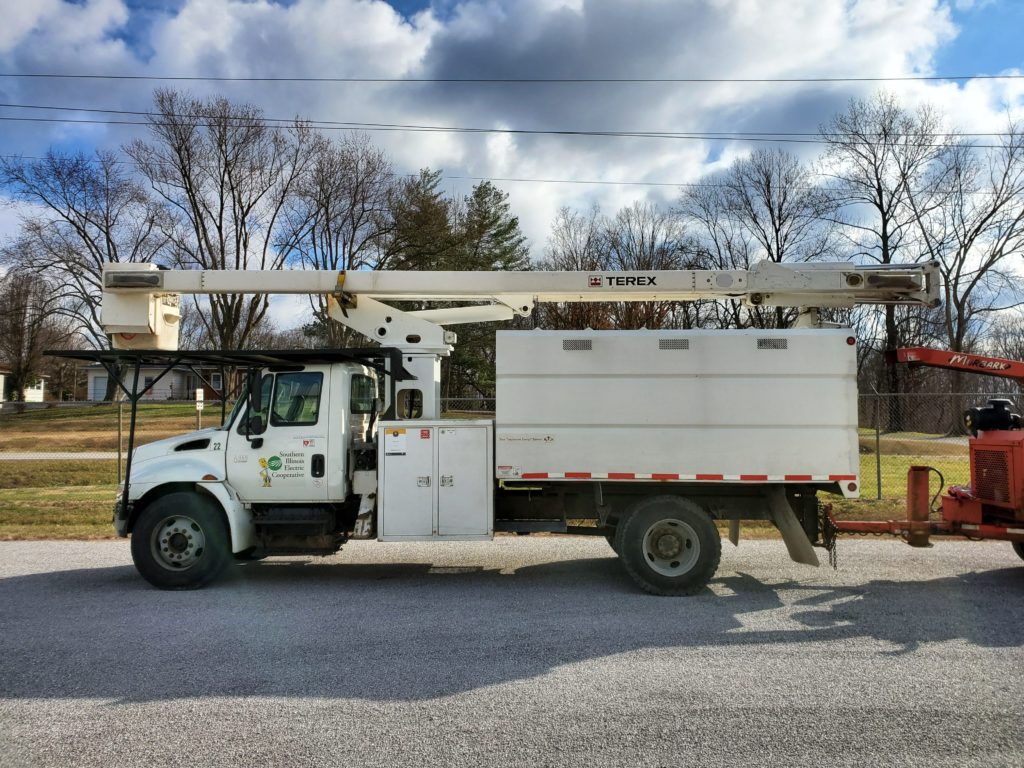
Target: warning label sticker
x,y
394,442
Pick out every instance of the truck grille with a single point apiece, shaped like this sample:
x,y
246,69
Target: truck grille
x,y
992,476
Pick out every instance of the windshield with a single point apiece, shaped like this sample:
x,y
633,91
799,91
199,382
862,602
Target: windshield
x,y
238,406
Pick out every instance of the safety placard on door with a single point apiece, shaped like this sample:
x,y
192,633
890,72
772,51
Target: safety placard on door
x,y
394,442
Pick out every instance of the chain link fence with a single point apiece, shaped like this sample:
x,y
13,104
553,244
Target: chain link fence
x,y
897,431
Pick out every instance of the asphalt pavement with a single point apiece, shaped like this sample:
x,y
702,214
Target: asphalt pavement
x,y
518,652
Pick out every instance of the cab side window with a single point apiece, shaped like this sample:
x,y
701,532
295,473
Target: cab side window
x,y
410,404
364,394
296,399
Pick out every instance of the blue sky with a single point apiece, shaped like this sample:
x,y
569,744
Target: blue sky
x,y
989,39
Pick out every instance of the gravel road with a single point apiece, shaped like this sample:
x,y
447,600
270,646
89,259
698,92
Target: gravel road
x,y
520,652
53,456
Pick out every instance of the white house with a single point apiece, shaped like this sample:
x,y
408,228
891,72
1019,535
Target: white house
x,y
177,384
32,394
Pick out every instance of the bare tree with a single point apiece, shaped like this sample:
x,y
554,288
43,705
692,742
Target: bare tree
x,y
765,206
28,326
645,238
577,243
976,228
83,212
225,177
771,196
339,215
879,164
720,243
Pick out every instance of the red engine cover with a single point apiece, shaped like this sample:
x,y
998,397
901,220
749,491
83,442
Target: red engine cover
x,y
997,470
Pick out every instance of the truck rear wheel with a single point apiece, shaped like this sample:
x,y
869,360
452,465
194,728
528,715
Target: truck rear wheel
x,y
1018,547
669,545
180,541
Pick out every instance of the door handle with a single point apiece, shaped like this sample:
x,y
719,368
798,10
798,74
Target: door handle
x,y
317,466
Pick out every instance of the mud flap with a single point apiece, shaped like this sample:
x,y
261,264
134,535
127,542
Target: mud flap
x,y
800,548
734,532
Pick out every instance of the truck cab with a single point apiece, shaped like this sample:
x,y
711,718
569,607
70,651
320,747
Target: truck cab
x,y
280,475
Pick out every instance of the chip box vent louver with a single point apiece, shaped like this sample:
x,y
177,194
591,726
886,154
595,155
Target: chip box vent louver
x,y
773,343
577,345
673,343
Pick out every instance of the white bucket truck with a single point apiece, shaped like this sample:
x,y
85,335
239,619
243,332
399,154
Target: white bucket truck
x,y
647,437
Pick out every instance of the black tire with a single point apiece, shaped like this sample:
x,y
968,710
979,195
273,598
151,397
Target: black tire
x,y
1018,547
685,538
194,548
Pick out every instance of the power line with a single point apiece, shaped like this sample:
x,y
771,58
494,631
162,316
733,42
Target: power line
x,y
407,128
350,124
514,80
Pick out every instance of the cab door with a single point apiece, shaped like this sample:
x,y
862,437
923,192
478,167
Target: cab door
x,y
285,456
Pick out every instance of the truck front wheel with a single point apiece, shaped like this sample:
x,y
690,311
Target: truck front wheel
x,y
669,545
1018,547
180,541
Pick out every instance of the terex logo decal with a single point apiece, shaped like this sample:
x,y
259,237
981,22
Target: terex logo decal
x,y
597,281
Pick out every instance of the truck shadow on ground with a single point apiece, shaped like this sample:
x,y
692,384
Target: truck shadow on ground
x,y
412,631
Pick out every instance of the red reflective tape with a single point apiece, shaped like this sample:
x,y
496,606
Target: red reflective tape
x,y
799,477
657,476
710,477
578,475
842,477
621,476
753,477
535,475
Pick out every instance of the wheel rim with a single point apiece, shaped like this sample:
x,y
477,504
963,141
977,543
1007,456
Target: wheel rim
x,y
178,542
671,547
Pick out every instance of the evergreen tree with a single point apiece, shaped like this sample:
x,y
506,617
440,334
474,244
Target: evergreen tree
x,y
423,236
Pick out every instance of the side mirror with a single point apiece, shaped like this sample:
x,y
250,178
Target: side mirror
x,y
254,390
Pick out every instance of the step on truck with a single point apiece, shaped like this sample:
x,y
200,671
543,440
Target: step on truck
x,y
650,438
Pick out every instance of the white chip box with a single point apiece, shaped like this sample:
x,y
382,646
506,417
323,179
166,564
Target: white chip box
x,y
703,406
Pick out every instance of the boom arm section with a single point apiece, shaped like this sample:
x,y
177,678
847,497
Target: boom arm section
x,y
962,361
138,298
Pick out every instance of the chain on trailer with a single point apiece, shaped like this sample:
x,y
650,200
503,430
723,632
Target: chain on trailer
x,y
829,534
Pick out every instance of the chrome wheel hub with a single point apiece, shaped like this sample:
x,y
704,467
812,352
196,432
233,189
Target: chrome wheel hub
x,y
178,542
671,547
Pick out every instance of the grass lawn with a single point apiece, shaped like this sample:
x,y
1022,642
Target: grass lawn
x,y
94,428
57,499
955,469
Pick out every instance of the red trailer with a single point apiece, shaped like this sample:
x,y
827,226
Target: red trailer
x,y
992,506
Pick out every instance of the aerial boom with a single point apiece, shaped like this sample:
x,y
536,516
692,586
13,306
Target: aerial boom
x,y
768,284
140,301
